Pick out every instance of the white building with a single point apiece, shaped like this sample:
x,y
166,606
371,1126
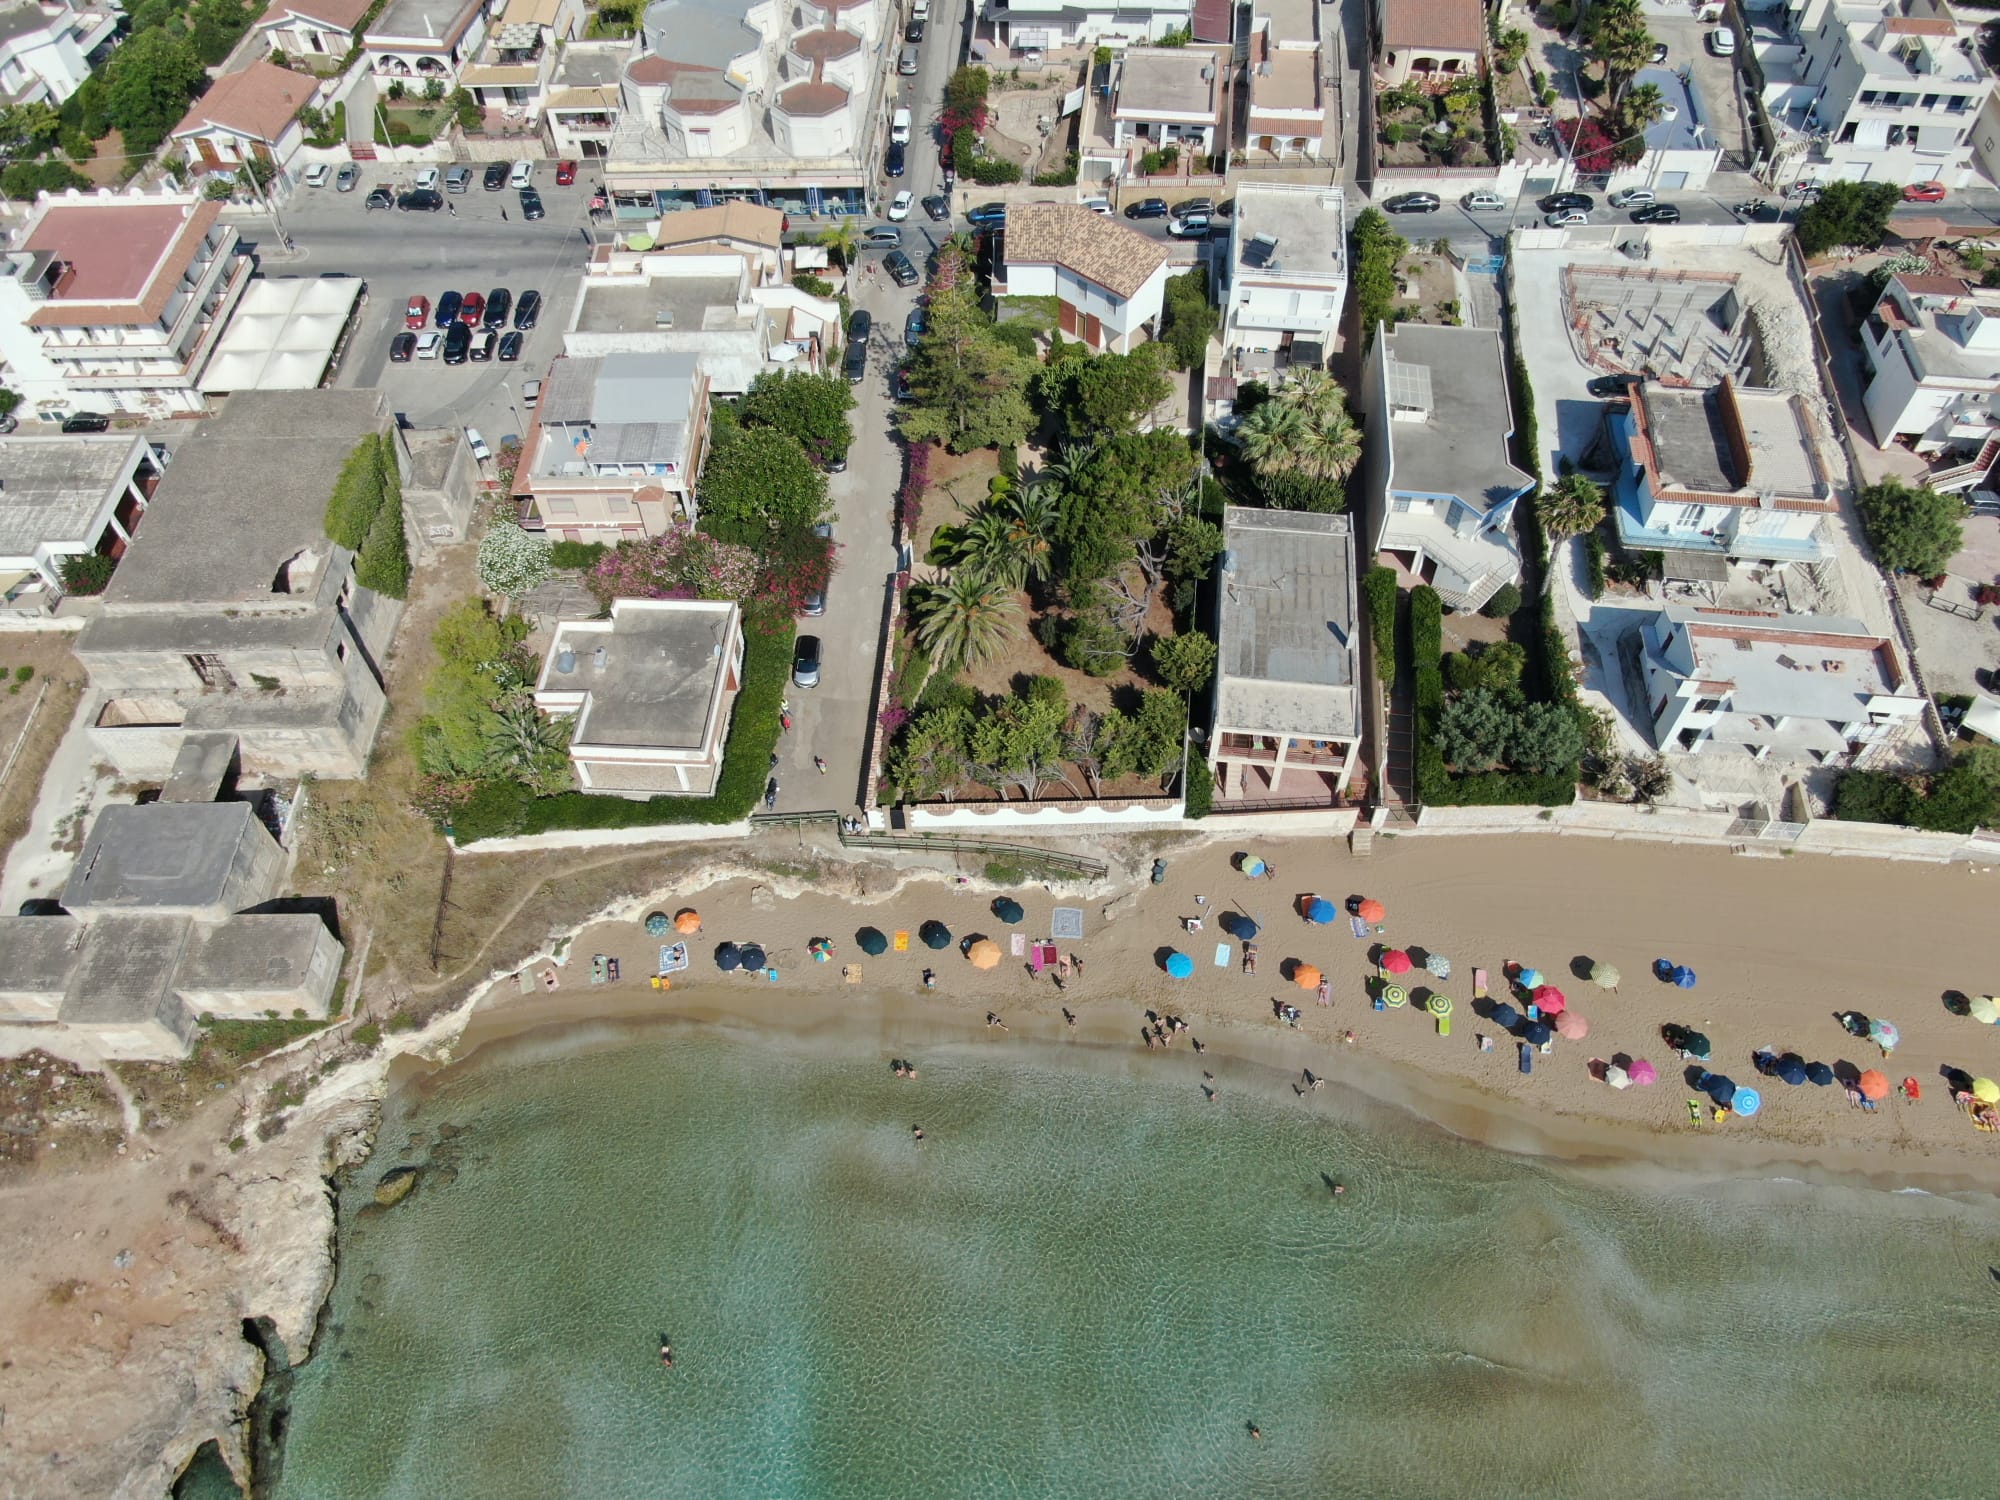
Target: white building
x,y
248,115
1804,688
512,74
1933,350
46,49
1050,24
113,302
1682,148
1286,277
420,40
1109,282
1439,421
66,497
313,28
1731,472
1888,91
1287,118
1169,96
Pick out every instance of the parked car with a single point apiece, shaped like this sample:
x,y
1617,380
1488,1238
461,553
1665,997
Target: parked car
x,y
521,174
1098,206
499,302
1631,198
418,313
1413,203
458,180
1656,213
805,662
457,344
994,215
906,65
496,176
1612,385
480,452
914,325
914,32
427,180
1147,208
882,237
430,345
1557,202
938,207
1482,202
401,347
510,348
531,205
1924,192
483,344
899,208
527,310
815,604
1191,227
900,269
381,197
899,128
447,309
893,159
1195,206
347,178
565,173
1722,42
859,326
317,174
421,200
1659,53
86,421
531,394
471,308
1566,218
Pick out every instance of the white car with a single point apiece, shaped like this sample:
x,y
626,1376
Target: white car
x,y
1566,218
522,175
1632,198
480,451
317,174
1722,42
427,180
429,345
899,209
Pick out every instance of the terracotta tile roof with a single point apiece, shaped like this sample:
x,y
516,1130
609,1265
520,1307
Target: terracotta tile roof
x,y
1213,20
125,259
1908,26
749,222
1447,25
1094,247
825,42
653,68
339,15
1935,286
813,98
258,102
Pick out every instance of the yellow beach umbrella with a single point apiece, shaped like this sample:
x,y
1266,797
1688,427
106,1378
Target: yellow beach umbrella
x,y
985,954
1986,1091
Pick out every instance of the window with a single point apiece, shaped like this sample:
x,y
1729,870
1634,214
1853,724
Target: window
x,y
1399,503
561,505
340,651
1708,705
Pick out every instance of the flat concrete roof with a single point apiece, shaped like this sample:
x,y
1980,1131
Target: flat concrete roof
x,y
696,303
42,954
243,495
260,951
55,489
1689,431
1155,82
167,854
1284,230
125,972
1288,658
432,22
1688,129
1460,447
636,407
658,678
1791,666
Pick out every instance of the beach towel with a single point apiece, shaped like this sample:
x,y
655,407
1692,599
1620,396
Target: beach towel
x,y
1041,956
851,973
1020,943
1222,955
902,942
1479,984
1360,927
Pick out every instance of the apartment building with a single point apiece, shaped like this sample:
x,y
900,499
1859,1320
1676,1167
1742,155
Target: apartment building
x,y
48,49
615,447
1933,349
1286,278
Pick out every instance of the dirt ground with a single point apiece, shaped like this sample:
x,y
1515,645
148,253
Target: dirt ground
x,y
54,1113
1014,129
49,693
1431,287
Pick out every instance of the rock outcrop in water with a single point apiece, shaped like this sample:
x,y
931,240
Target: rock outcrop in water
x,y
395,1186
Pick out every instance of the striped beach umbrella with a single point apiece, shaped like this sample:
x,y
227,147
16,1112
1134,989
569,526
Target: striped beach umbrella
x,y
1395,996
1437,1005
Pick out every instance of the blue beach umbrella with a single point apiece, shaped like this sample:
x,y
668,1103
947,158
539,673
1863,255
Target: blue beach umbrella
x,y
1008,910
1180,966
1818,1074
728,957
657,924
1747,1102
936,936
1535,1033
1506,1017
871,941
1684,977
753,956
1320,911
1239,926
1790,1069
1721,1090
1530,979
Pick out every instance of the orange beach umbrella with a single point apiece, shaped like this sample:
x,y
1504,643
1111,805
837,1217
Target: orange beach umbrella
x,y
1370,911
1306,977
1873,1084
689,920
984,954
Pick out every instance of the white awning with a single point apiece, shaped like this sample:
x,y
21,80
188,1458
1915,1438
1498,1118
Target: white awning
x,y
1072,102
283,334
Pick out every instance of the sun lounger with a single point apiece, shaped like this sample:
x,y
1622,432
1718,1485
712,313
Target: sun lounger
x,y
1222,955
1249,958
1019,942
1527,1058
1479,984
1360,928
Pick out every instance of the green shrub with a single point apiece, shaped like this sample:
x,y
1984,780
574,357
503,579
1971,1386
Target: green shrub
x,y
86,572
576,554
1427,653
1200,787
1593,558
1505,601
1378,588
367,1033
1872,797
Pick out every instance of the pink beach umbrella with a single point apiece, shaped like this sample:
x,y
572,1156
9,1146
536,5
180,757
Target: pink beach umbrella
x,y
1396,961
1550,999
1571,1027
1641,1072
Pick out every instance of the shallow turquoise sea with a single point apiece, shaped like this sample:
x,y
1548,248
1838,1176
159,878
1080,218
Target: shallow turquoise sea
x,y
1089,1280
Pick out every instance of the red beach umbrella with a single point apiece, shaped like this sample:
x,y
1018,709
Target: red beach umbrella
x,y
1550,999
1873,1084
1572,1027
1370,911
1396,961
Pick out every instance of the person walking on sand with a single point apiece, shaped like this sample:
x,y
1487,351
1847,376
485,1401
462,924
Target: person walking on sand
x,y
1069,1017
1076,963
994,1020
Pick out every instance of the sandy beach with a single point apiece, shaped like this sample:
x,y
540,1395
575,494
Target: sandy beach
x,y
1779,945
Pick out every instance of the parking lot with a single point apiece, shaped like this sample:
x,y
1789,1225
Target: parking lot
x,y
1715,78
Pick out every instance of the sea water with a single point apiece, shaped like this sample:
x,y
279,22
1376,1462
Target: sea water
x,y
1091,1281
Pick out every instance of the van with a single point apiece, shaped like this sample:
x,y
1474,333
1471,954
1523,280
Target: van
x,y
921,11
1482,203
899,127
907,66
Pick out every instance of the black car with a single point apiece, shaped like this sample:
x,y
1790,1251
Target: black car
x,y
446,312
401,347
805,662
1557,203
938,207
381,197
892,159
914,325
527,310
510,348
1612,385
531,204
914,32
499,302
496,176
1147,208
988,216
481,348
859,326
1656,213
86,421
457,344
421,200
1413,203
900,270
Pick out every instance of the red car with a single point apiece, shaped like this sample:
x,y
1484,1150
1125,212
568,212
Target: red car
x,y
418,313
565,173
1924,192
472,309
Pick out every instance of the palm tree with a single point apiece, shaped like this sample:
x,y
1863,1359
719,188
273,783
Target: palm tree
x,y
1617,37
1032,510
964,618
1314,393
843,241
1329,447
989,545
1270,436
522,744
1644,103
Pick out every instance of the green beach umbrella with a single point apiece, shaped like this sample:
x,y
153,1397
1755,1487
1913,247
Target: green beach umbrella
x,y
1438,1005
871,942
1395,996
1604,976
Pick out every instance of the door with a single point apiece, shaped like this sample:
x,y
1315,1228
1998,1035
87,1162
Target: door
x,y
1673,181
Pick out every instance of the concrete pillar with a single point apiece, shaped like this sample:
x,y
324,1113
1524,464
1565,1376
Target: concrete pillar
x,y
119,531
1278,771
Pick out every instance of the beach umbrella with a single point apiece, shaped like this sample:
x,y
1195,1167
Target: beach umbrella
x,y
753,957
1984,1008
821,949
1254,868
1873,1084
1396,961
935,935
1696,1045
1437,1005
728,956
1684,977
1395,996
1571,1027
1819,1074
656,924
984,954
871,942
1617,1077
1747,1102
1370,911
1438,964
1604,976
1721,1090
1789,1069
1240,925
1529,979
1506,1017
1008,910
1884,1035
1320,910
1306,977
1535,1033
688,920
1180,966
1642,1073
1985,1090
1550,999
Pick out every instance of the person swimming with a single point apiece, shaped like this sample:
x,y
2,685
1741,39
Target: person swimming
x,y
666,1354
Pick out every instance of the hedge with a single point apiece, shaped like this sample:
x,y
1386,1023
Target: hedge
x,y
1593,557
578,554
504,809
1502,789
1378,588
1200,790
1427,667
